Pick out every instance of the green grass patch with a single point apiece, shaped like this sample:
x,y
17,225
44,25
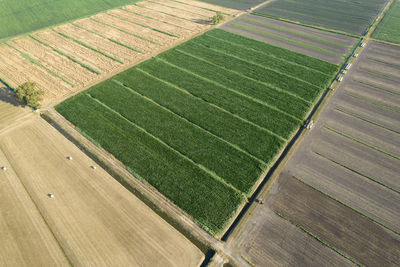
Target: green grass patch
x,y
389,28
23,16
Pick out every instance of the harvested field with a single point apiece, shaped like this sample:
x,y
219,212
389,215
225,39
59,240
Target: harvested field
x,y
10,109
191,16
95,220
320,44
208,117
15,70
73,72
214,7
25,238
69,57
351,16
165,27
136,29
388,28
237,4
79,52
342,183
102,44
173,20
186,7
115,34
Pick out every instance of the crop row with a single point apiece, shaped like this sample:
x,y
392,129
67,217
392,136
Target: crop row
x,y
208,200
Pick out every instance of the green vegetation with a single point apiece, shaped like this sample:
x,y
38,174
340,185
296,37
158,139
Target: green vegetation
x,y
22,16
28,94
203,121
350,16
217,18
389,28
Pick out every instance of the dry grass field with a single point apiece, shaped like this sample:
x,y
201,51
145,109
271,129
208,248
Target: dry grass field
x,y
95,220
67,58
341,186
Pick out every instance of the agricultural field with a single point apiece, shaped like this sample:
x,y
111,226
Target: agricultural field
x,y
92,219
203,121
341,186
236,4
324,45
69,57
388,29
20,17
351,16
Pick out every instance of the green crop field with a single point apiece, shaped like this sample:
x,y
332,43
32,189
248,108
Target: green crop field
x,y
389,28
352,16
203,121
22,16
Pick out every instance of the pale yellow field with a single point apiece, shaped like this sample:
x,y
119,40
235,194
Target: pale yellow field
x,y
95,220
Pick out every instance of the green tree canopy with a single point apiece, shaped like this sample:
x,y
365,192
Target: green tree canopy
x,y
28,94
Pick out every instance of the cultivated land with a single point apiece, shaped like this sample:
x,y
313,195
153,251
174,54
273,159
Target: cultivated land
x,y
236,4
93,218
203,121
342,184
316,43
350,16
388,29
65,59
19,17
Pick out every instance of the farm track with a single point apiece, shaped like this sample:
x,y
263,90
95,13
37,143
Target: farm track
x,y
73,56
319,44
342,182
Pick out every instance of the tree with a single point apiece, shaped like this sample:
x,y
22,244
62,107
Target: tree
x,y
217,18
27,94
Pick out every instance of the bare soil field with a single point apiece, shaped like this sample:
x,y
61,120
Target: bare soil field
x,y
96,221
70,57
342,183
323,45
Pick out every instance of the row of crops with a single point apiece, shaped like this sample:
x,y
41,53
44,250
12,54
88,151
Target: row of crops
x,y
203,121
389,28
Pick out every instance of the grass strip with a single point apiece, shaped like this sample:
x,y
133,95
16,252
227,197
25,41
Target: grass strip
x,y
219,157
294,32
278,52
230,101
67,56
366,120
357,172
89,47
254,140
302,89
41,65
210,202
347,206
374,103
142,25
375,87
316,48
110,39
283,67
7,84
361,142
122,30
152,18
272,96
318,238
